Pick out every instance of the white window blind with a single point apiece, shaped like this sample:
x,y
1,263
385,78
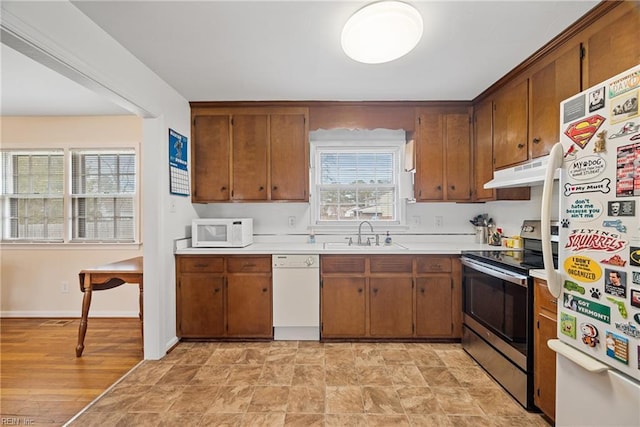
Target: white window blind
x,y
356,185
103,194
62,195
33,195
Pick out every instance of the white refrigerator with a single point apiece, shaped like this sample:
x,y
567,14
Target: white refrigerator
x,y
597,280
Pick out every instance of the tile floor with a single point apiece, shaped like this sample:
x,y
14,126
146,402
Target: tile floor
x,y
291,383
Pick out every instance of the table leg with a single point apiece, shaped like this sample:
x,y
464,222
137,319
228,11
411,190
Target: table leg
x,y
86,302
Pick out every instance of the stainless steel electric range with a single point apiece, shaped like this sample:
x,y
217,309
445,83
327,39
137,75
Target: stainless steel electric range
x,y
498,310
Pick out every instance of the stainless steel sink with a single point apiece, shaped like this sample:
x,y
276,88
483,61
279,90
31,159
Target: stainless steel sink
x,y
363,248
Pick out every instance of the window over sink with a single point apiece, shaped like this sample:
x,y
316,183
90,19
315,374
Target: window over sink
x,y
358,175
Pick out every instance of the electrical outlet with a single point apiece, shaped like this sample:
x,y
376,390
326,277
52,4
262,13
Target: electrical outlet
x,y
64,287
291,221
439,221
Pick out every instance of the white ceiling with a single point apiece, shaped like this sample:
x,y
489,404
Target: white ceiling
x,y
290,50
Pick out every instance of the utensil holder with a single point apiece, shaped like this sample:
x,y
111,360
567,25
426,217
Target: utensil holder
x,y
481,234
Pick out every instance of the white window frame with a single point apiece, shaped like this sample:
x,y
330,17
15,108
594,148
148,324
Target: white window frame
x,y
75,197
8,183
67,239
380,140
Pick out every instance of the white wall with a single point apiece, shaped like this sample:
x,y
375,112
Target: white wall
x,y
272,218
78,48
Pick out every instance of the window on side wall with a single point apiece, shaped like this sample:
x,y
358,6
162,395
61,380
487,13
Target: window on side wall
x,y
69,196
356,176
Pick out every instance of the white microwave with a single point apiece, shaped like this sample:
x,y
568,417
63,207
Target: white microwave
x,y
221,232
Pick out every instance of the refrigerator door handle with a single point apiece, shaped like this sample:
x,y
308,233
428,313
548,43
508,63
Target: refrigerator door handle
x,y
556,158
579,358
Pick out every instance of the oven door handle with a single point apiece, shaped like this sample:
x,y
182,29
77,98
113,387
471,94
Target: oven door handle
x,y
518,279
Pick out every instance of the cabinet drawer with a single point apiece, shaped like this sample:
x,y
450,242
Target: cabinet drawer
x,y
433,264
391,264
205,264
245,264
342,264
543,297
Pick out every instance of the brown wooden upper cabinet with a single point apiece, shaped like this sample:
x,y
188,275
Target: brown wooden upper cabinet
x,y
443,154
612,45
555,81
250,154
510,125
483,150
526,102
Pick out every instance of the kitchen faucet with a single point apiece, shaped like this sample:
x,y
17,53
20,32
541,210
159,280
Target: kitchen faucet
x,y
360,231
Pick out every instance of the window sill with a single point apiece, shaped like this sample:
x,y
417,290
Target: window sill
x,y
69,246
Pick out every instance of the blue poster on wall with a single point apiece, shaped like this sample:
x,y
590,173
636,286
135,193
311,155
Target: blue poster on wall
x,y
178,164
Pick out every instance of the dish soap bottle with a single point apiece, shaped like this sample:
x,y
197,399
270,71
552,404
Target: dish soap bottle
x,y
387,240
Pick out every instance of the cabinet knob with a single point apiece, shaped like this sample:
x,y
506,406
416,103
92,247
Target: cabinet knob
x,y
536,140
422,290
261,188
223,188
439,187
275,188
520,145
375,290
264,289
453,187
359,290
216,290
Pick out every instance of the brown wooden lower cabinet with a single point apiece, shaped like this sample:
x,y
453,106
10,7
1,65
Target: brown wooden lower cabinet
x,y
224,296
544,359
390,296
390,302
343,306
434,304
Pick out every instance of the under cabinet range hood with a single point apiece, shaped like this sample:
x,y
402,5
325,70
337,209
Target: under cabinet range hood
x,y
529,174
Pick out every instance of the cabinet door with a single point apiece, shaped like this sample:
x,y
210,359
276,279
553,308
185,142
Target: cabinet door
x,y
210,158
289,157
551,85
510,126
614,47
544,365
249,163
429,178
434,299
249,305
544,359
483,150
343,307
391,306
458,157
200,305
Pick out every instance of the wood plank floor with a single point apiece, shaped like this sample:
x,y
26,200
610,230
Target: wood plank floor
x,y
42,382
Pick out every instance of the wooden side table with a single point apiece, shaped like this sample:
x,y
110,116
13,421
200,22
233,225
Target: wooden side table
x,y
104,277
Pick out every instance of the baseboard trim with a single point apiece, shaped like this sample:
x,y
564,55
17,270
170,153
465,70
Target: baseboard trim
x,y
66,314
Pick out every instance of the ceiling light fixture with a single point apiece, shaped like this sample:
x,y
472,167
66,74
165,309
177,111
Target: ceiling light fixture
x,y
381,32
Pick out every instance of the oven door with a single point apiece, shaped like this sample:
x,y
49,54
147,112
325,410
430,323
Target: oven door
x,y
497,306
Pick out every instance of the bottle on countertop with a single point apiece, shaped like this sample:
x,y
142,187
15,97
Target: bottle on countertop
x,y
387,240
312,237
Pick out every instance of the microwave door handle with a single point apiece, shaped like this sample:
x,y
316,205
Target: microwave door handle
x,y
517,279
554,281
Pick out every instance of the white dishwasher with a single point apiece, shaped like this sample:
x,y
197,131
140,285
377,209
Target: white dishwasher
x,y
296,297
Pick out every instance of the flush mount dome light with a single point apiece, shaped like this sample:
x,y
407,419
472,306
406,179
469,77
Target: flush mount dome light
x,y
381,32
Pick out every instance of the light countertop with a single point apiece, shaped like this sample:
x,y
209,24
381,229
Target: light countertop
x,y
445,248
